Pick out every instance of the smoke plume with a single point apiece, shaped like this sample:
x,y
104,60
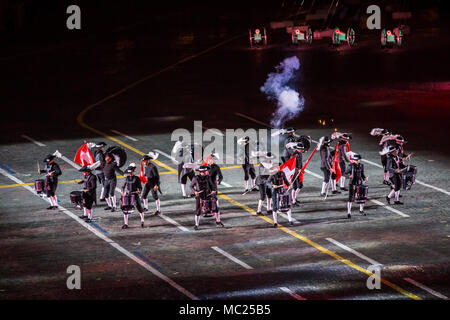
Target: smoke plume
x,y
289,101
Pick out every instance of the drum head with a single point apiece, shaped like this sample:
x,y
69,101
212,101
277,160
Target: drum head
x,y
119,155
306,140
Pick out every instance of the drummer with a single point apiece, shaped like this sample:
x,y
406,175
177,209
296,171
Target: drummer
x,y
276,180
132,187
356,176
394,165
53,171
203,187
89,192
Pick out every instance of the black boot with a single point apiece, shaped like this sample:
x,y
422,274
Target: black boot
x,y
388,200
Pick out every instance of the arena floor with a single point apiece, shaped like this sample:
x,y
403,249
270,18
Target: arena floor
x,y
323,256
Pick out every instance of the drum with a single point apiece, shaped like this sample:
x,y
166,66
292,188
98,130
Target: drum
x,y
306,140
208,206
409,177
76,197
39,186
284,201
361,193
127,202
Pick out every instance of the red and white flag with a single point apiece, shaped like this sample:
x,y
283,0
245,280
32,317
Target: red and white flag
x,y
289,169
336,166
142,174
300,176
84,156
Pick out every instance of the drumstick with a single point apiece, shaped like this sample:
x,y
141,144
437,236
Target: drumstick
x,y
39,168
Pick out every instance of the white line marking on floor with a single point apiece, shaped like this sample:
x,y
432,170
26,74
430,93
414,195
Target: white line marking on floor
x,y
367,161
313,174
372,163
389,208
356,253
124,135
429,290
226,184
73,164
284,215
111,242
433,187
293,294
40,144
166,155
232,258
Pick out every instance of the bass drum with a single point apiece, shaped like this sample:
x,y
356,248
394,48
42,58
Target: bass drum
x,y
409,177
119,155
284,202
361,193
39,186
306,140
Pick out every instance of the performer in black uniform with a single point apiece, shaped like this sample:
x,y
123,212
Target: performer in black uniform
x,y
249,169
265,189
356,176
385,141
109,169
53,171
184,155
276,181
99,156
214,172
290,137
132,186
343,158
89,192
153,184
394,166
296,184
326,164
203,188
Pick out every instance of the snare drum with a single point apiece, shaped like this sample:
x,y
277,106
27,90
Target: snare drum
x,y
284,200
76,197
127,202
208,206
409,177
39,186
361,193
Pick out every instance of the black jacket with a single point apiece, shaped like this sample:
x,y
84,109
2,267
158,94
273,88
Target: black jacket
x,y
54,167
393,163
204,184
132,184
357,170
278,179
325,157
90,184
152,175
110,169
215,173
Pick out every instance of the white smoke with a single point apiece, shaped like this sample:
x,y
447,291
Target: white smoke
x,y
289,101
